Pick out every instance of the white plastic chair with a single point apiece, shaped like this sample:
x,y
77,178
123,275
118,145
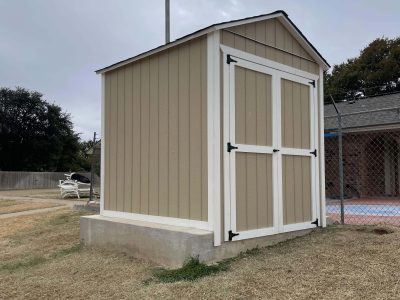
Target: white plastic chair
x,y
68,188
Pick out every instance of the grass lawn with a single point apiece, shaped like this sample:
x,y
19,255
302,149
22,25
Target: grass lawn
x,y
12,206
40,257
34,193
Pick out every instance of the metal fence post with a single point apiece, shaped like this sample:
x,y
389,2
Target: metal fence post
x,y
92,168
340,146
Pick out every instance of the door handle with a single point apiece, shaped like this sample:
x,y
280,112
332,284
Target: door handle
x,y
275,150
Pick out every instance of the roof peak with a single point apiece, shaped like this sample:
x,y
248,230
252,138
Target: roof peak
x,y
219,26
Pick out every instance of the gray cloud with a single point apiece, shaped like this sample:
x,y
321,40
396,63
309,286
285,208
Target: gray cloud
x,y
55,46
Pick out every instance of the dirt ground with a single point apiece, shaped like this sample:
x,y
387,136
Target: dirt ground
x,y
40,257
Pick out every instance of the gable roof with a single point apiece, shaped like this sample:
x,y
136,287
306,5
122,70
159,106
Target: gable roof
x,y
289,25
365,112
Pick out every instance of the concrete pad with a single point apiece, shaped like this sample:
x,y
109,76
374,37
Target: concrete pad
x,y
165,244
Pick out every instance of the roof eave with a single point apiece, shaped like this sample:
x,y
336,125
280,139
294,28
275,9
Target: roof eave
x,y
289,25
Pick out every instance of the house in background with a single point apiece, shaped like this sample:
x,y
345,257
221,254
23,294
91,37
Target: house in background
x,y
212,144
371,137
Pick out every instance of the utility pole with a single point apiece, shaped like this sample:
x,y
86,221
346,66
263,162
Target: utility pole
x,y
167,33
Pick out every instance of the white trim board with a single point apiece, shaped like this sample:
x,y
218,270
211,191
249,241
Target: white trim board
x,y
213,135
103,144
268,63
157,219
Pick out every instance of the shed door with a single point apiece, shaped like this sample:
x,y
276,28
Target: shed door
x,y
269,134
297,155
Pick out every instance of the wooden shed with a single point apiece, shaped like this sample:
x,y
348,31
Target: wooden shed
x,y
217,134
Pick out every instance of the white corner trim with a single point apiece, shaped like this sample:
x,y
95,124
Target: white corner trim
x,y
267,62
102,152
321,148
213,135
157,219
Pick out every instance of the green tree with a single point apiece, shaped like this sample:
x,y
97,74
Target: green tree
x,y
36,135
376,70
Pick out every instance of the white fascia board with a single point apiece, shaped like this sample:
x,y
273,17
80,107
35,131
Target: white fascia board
x,y
247,21
305,44
156,50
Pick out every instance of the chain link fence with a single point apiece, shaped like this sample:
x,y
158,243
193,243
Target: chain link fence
x,y
362,157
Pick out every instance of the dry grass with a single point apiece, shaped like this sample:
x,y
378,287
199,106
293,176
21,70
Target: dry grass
x,y
40,193
41,259
34,193
12,206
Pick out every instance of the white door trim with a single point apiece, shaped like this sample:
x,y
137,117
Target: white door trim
x,y
267,67
267,62
230,157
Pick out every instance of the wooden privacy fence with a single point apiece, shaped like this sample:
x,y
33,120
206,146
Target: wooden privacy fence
x,y
10,180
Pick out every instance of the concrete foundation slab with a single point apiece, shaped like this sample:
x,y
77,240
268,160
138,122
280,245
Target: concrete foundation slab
x,y
164,244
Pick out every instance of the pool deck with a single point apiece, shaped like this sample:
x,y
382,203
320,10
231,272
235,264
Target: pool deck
x,y
364,216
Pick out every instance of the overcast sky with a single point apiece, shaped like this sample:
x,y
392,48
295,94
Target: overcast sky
x,y
54,47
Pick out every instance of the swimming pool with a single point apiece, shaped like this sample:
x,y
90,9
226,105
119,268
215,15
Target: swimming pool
x,y
366,210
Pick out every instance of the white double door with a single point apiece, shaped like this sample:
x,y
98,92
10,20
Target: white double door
x,y
270,139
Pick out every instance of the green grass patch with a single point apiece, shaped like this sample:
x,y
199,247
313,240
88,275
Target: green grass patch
x,y
69,218
7,203
191,270
67,251
22,264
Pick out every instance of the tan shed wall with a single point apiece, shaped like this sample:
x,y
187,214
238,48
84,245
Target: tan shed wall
x,y
156,134
270,32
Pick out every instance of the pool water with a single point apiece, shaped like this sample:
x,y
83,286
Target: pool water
x,y
366,210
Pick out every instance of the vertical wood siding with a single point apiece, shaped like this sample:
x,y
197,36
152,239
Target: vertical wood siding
x,y
270,32
296,174
295,107
156,134
254,199
253,107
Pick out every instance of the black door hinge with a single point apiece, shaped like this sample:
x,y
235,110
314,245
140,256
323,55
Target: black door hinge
x,y
312,83
229,59
314,152
315,222
232,235
231,147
